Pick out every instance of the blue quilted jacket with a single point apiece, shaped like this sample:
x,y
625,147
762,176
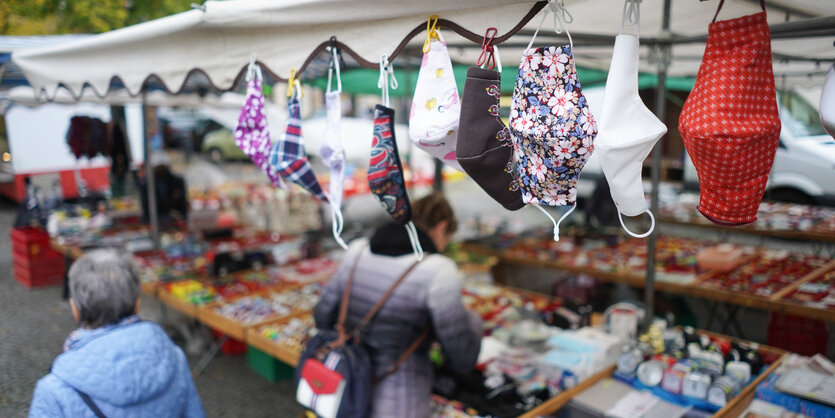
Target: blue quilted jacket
x,y
129,371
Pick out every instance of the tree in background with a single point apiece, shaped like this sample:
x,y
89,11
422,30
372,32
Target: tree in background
x,y
49,17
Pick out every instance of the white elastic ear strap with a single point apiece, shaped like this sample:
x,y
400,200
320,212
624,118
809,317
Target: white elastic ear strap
x,y
631,15
386,78
644,235
330,71
561,18
415,240
253,70
337,224
557,223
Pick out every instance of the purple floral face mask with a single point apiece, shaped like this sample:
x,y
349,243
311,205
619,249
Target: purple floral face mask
x,y
252,135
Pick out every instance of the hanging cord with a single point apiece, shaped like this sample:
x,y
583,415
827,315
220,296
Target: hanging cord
x,y
489,53
334,66
431,32
631,16
415,240
644,235
253,70
294,85
561,18
556,223
386,79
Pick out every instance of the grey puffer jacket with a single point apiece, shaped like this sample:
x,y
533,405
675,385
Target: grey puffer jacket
x,y
429,296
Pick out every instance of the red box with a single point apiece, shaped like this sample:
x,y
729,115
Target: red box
x,y
797,334
231,347
30,247
42,274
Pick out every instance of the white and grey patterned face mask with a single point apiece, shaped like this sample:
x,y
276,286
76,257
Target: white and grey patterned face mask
x,y
436,106
333,153
628,130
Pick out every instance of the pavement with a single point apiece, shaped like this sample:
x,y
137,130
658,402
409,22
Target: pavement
x,y
35,322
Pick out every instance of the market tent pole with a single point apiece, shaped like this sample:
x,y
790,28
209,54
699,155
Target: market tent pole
x,y
150,183
665,50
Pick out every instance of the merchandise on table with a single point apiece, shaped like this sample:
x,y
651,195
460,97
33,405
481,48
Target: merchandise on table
x,y
292,335
296,299
767,273
818,292
801,385
192,291
248,310
690,369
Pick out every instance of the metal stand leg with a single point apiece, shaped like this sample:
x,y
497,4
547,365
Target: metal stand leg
x,y
208,357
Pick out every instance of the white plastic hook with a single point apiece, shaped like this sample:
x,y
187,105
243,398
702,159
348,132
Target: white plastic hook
x,y
631,15
386,79
561,20
644,235
253,70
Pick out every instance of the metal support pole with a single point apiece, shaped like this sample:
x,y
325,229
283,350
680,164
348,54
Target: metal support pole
x,y
660,111
150,183
438,180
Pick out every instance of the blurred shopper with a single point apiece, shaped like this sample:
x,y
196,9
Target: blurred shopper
x,y
115,364
430,296
171,192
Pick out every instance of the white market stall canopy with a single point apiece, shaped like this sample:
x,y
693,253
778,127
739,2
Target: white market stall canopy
x,y
219,38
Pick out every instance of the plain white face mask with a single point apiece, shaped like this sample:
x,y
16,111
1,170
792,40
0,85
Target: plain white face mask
x,y
436,106
333,154
627,129
827,108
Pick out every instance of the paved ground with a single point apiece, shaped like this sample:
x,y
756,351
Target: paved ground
x,y
34,323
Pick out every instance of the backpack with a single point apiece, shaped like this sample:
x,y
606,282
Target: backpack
x,y
335,377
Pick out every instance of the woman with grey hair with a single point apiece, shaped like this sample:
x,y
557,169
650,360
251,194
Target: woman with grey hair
x,y
114,364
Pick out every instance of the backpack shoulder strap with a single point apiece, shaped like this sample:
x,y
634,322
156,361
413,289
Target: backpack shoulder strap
x,y
383,299
86,398
346,297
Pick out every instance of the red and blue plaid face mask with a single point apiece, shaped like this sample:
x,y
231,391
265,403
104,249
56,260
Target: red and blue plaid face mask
x,y
288,156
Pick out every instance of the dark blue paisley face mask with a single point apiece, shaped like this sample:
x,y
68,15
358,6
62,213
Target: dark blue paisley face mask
x,y
385,170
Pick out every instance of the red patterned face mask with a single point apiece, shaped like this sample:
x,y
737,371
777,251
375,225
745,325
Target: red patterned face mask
x,y
729,123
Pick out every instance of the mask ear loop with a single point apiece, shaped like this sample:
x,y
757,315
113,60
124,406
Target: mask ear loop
x,y
383,82
644,235
557,223
415,240
337,224
631,16
561,18
334,66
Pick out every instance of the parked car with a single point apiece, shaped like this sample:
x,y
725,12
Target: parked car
x,y
220,146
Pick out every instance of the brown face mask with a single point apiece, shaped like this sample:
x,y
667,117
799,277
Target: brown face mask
x,y
485,151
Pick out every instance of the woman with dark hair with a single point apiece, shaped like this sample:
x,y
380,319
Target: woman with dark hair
x,y
430,296
114,365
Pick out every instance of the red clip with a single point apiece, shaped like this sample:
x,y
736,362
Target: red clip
x,y
486,56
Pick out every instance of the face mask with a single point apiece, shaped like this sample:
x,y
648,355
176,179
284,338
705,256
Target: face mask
x,y
551,125
288,155
827,107
484,149
333,154
385,171
729,123
433,120
252,135
628,130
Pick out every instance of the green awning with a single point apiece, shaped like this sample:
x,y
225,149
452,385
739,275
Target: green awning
x,y
364,81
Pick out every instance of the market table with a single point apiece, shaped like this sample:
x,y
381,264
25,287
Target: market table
x,y
775,303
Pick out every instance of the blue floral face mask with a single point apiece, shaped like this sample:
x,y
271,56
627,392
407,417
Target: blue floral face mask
x,y
550,124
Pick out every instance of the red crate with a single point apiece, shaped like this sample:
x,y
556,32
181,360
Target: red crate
x,y
31,246
231,347
797,334
42,274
